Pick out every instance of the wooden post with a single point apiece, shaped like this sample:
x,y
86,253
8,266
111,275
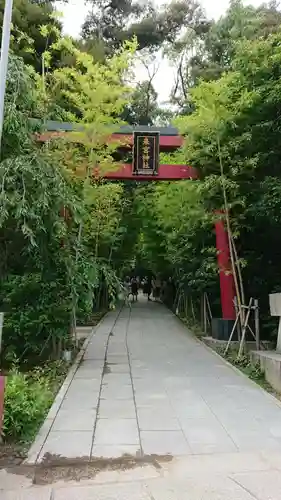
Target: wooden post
x,y
257,324
192,308
205,314
244,328
202,311
185,306
209,309
238,322
232,333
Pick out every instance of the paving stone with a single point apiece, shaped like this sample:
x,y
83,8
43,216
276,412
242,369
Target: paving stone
x,y
272,458
90,364
84,401
117,378
258,444
153,420
116,431
118,367
117,359
68,444
127,491
111,392
153,400
89,373
204,489
81,386
35,493
191,407
219,464
115,451
10,481
119,350
164,443
265,485
117,408
95,354
68,420
207,436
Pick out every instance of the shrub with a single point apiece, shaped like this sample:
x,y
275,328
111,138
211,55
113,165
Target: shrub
x,y
28,397
37,313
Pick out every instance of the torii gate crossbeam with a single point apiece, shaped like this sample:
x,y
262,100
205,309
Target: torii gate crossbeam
x,y
169,141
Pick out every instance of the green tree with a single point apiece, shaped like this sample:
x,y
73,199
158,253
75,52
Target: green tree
x,y
27,40
59,226
233,138
176,239
119,20
34,285
143,107
207,53
95,93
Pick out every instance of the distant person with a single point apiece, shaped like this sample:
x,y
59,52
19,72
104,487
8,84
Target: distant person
x,y
156,285
164,292
127,283
134,288
147,287
126,289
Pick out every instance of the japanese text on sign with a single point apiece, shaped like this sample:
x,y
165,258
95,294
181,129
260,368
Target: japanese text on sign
x,y
146,153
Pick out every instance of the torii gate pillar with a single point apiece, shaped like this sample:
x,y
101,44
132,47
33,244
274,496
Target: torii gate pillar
x,y
227,287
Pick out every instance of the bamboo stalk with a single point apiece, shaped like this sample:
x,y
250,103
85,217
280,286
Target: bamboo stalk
x,y
257,324
232,333
192,309
241,348
205,314
227,219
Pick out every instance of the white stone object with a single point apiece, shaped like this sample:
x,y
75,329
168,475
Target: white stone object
x,y
67,356
275,310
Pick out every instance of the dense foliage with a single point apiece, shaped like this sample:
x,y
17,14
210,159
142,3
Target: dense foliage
x,y
59,231
66,237
28,396
113,22
28,39
231,121
233,137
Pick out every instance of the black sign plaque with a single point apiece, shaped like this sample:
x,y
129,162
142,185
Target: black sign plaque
x,y
146,153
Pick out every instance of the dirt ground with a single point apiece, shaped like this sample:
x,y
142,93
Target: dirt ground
x,y
12,455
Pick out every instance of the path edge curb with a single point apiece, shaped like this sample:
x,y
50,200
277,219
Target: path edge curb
x,y
239,372
40,438
234,368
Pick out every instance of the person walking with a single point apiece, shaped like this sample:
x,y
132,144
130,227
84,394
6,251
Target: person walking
x,y
134,288
147,288
156,285
127,289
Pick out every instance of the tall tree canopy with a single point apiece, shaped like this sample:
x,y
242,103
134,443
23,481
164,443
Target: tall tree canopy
x,y
60,228
28,41
233,137
117,20
206,54
143,107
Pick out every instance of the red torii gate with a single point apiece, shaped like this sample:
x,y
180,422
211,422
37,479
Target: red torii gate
x,y
168,140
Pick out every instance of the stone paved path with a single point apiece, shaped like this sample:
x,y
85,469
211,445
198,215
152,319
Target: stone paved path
x,y
148,388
